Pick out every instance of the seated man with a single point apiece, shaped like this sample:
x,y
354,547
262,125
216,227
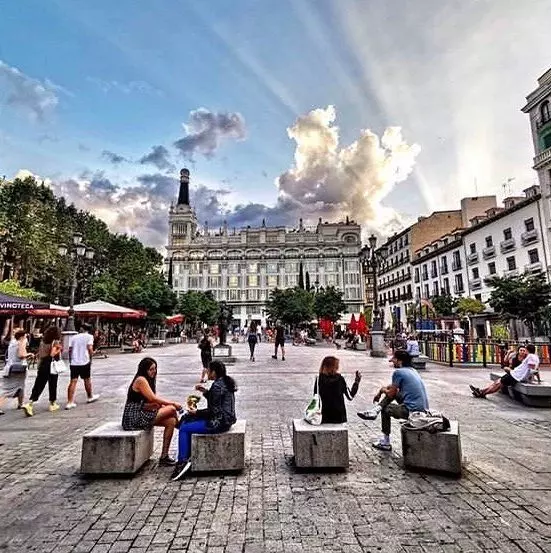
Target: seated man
x,y
527,368
407,389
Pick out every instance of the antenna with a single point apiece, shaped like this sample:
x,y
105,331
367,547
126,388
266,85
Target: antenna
x,y
475,187
507,186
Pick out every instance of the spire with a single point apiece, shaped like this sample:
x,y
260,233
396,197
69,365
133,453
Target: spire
x,y
183,196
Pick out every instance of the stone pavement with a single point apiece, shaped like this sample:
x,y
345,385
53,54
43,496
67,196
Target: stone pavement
x,y
503,502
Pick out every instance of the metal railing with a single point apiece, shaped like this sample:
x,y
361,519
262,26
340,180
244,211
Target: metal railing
x,y
480,353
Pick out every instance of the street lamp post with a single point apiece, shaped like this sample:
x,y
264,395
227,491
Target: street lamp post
x,y
76,251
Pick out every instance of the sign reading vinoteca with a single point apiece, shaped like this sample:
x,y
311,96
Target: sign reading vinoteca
x,y
14,305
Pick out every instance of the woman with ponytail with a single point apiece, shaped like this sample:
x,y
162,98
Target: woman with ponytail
x,y
219,416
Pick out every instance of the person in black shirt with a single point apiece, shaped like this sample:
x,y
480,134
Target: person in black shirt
x,y
279,341
205,345
333,389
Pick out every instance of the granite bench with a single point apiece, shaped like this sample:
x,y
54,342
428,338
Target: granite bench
x,y
323,446
111,450
438,452
532,395
156,343
222,452
419,362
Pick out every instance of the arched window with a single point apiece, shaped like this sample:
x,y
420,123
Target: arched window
x,y
545,112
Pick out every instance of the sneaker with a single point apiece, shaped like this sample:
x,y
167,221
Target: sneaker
x,y
167,461
274,356
253,359
382,446
54,406
180,470
2,412
70,405
283,358
368,415
95,397
476,391
28,408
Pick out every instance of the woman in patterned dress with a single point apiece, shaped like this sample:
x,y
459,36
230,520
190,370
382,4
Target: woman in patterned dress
x,y
144,409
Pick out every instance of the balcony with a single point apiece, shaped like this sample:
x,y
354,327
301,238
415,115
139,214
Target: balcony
x,y
458,289
533,267
507,245
456,265
529,237
476,284
472,258
542,159
489,252
510,273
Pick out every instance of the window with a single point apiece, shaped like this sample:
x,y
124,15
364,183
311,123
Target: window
x,y
456,263
234,295
272,281
330,266
435,289
446,286
416,274
233,281
511,263
478,297
252,280
252,295
507,234
291,268
433,271
253,239
489,241
332,280
350,266
427,291
215,282
194,268
271,238
425,272
534,256
291,281
529,224
272,268
252,268
459,283
444,264
214,268
492,268
472,247
545,112
417,292
195,283
476,274
233,268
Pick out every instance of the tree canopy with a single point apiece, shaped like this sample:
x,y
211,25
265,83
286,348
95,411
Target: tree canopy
x,y
199,307
34,222
444,304
525,297
469,306
329,304
292,306
13,288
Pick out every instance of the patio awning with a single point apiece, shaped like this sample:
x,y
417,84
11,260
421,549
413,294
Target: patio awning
x,y
14,305
52,311
107,310
175,319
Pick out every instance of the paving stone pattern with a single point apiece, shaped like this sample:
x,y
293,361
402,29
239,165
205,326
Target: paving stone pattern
x,y
502,503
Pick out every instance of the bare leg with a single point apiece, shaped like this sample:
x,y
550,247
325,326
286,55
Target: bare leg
x,y
491,388
71,390
166,417
88,387
283,352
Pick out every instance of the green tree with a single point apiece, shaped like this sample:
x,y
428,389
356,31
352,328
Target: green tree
x,y
444,304
199,307
469,307
292,306
13,288
522,297
329,304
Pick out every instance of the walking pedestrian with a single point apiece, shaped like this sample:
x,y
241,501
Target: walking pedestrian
x,y
279,341
252,338
81,350
205,345
12,384
50,348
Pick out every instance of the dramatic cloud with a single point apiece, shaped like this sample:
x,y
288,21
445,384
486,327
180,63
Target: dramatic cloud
x,y
331,181
206,130
113,158
32,96
159,157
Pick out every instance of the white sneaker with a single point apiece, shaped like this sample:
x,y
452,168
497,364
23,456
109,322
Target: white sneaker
x,y
95,397
70,405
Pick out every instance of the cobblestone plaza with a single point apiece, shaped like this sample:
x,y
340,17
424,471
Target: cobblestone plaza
x,y
502,503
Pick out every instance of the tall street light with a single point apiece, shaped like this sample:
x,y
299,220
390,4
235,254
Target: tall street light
x,y
373,260
76,252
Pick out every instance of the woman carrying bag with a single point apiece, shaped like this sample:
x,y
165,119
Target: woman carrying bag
x,y
12,385
49,352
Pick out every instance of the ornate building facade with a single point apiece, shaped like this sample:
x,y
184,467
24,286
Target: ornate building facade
x,y
243,266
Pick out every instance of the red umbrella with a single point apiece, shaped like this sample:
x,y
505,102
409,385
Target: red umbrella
x,y
175,319
353,325
362,325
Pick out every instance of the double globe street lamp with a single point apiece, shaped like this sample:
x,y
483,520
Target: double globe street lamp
x,y
76,252
373,260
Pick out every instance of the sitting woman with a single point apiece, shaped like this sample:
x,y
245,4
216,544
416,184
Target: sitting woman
x,y
333,389
218,417
144,409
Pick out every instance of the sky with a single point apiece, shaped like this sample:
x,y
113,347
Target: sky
x,y
281,109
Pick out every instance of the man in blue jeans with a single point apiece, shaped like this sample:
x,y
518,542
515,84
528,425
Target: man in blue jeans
x,y
406,394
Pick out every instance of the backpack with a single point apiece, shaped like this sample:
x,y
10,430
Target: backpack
x,y
427,421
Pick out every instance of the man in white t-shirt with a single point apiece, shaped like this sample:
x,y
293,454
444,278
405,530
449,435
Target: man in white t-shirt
x,y
81,349
523,373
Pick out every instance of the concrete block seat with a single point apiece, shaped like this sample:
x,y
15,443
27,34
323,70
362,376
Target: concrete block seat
x,y
532,395
223,452
419,362
111,450
439,452
323,446
156,343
